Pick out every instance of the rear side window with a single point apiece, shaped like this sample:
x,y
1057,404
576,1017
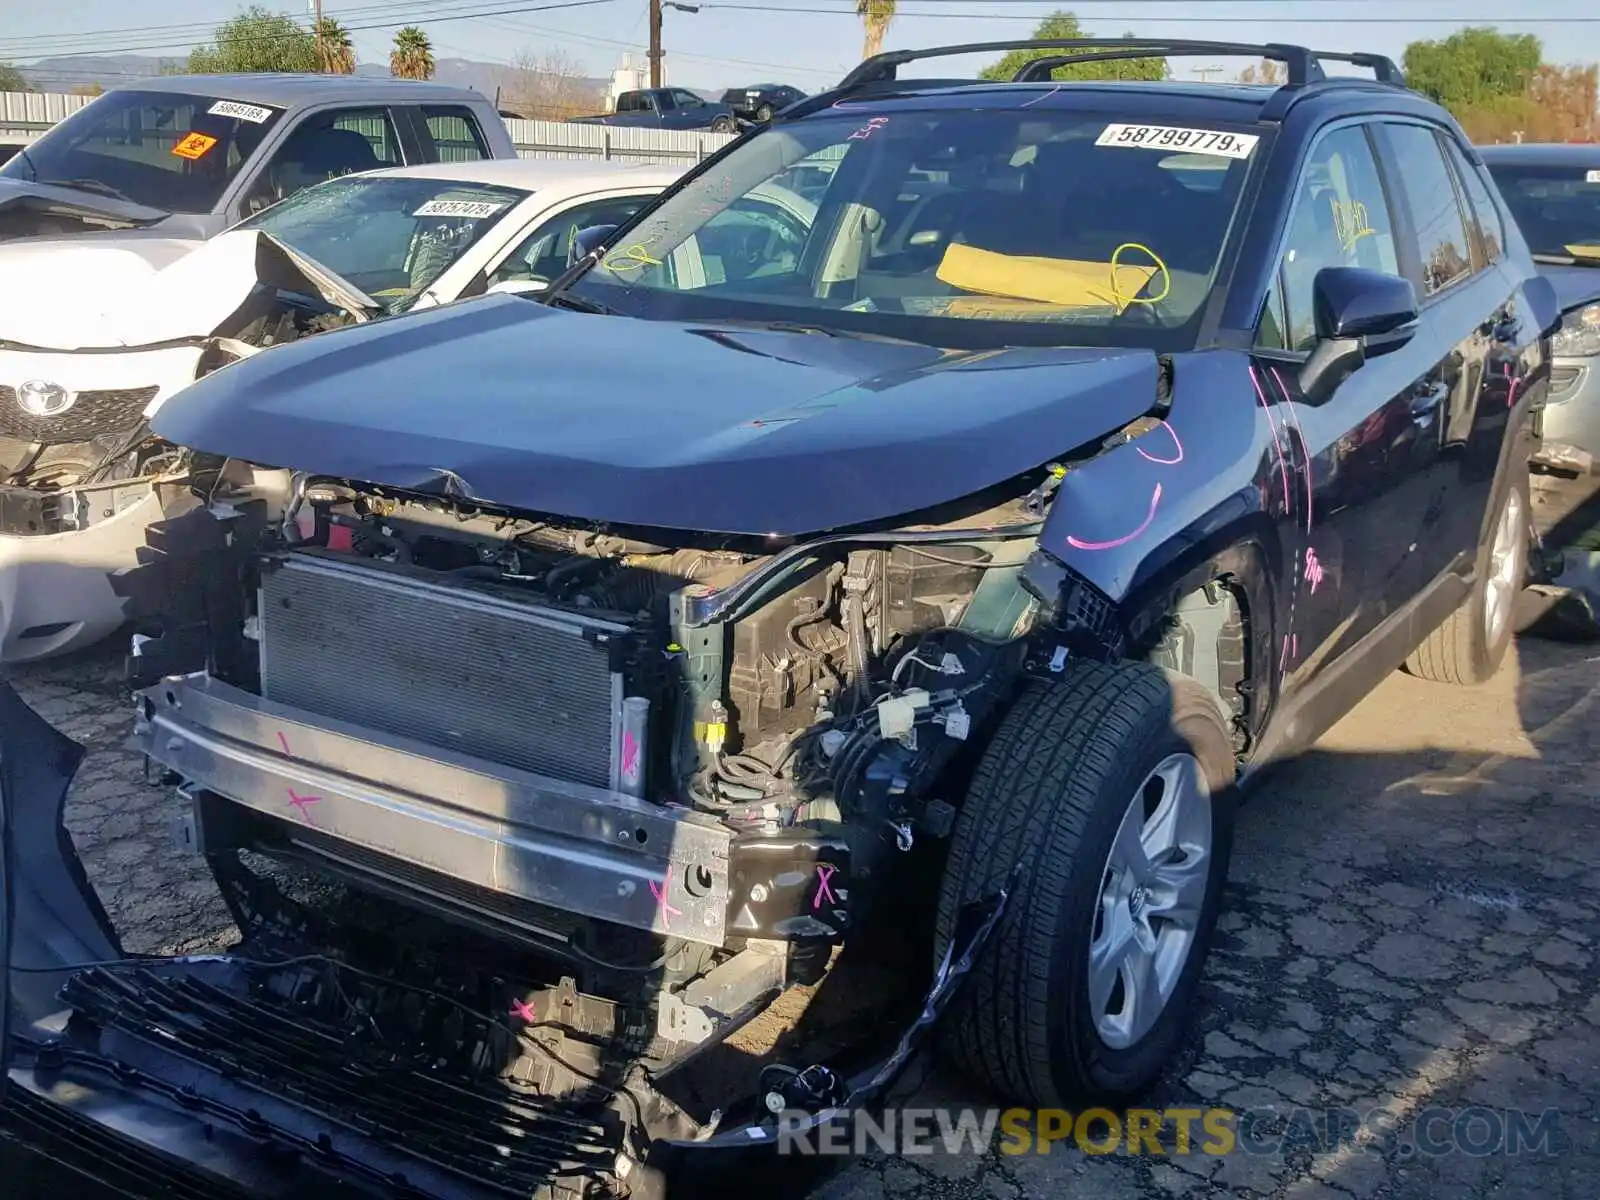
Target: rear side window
x,y
455,134
1480,205
1429,194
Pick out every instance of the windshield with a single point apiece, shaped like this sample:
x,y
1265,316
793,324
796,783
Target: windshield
x,y
163,150
955,228
1557,208
390,236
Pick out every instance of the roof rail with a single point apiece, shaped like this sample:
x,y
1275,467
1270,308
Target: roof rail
x,y
1382,67
1302,64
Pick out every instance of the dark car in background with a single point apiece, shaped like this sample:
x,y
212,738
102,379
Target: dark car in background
x,y
1553,191
760,101
666,108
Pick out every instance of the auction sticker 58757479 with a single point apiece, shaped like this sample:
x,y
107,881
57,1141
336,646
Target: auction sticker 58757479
x,y
1172,137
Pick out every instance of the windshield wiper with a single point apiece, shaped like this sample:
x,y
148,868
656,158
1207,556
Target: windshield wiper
x,y
825,330
578,303
89,185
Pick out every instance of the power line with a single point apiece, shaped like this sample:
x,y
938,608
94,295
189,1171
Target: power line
x,y
1173,19
559,34
422,6
433,11
389,24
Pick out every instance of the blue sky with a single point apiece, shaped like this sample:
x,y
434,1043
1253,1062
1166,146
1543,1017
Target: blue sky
x,y
737,41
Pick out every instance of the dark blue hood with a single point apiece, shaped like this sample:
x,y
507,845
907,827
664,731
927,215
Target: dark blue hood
x,y
1575,286
654,423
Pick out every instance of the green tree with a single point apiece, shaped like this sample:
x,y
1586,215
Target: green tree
x,y
257,40
875,17
1473,67
412,57
1065,25
11,80
337,54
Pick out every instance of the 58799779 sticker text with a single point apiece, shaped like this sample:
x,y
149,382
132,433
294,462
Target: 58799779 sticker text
x,y
1172,137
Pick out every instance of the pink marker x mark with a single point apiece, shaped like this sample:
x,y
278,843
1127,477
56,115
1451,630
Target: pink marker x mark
x,y
664,905
521,1008
302,804
825,872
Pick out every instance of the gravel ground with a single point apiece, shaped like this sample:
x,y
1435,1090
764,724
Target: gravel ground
x,y
1412,922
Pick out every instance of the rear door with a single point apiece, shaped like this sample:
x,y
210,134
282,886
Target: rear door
x,y
1450,448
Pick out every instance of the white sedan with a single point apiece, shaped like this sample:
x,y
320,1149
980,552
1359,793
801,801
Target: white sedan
x,y
97,331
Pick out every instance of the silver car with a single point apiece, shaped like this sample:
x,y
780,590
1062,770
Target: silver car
x,y
1553,191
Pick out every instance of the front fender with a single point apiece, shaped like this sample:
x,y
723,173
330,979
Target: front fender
x,y
1143,513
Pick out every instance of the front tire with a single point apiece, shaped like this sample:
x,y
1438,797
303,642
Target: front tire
x,y
1115,788
1468,648
764,113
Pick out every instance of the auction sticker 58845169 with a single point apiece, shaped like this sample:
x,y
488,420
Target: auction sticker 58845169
x,y
1172,137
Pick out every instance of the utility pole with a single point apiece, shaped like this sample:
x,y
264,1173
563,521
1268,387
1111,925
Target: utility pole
x,y
655,43
1206,73
316,17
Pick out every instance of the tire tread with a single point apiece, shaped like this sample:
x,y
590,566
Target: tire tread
x,y
1035,788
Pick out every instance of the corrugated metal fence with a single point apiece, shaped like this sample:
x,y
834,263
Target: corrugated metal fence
x,y
25,115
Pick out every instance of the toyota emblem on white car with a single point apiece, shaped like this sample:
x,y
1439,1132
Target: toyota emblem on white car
x,y
41,398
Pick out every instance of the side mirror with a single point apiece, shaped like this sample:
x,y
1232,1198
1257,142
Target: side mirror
x,y
517,287
588,241
1359,314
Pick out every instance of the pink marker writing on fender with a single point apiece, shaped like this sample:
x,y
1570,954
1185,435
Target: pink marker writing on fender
x,y
1078,543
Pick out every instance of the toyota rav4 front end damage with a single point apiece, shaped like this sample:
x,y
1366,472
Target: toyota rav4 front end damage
x,y
635,656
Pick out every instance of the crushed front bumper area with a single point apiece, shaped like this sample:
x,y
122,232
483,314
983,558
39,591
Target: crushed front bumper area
x,y
279,1072
511,837
55,587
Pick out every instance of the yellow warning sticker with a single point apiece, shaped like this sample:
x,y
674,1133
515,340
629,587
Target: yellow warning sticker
x,y
196,145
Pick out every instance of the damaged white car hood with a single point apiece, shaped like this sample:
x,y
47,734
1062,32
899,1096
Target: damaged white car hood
x,y
126,292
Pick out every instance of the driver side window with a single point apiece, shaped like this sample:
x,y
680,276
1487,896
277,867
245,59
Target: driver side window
x,y
1340,218
543,253
325,146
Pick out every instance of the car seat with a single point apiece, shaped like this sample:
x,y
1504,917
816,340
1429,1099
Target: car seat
x,y
314,154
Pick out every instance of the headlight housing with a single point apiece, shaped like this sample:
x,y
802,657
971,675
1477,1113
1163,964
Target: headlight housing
x,y
1579,334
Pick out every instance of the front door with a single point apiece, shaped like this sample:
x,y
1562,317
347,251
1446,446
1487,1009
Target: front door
x,y
1343,494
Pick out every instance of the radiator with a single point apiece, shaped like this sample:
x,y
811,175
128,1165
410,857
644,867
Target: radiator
x,y
507,682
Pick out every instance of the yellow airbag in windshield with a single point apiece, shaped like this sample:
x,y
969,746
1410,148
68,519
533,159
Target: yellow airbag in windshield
x,y
1070,283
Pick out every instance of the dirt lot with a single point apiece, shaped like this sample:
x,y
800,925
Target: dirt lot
x,y
1412,922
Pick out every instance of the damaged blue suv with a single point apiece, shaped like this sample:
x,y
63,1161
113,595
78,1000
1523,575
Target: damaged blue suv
x,y
915,527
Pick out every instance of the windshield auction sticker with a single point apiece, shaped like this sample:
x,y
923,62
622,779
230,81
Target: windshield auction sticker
x,y
1172,137
195,145
253,113
1591,177
474,210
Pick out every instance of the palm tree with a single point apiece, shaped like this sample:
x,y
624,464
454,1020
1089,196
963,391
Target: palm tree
x,y
412,57
875,15
335,54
